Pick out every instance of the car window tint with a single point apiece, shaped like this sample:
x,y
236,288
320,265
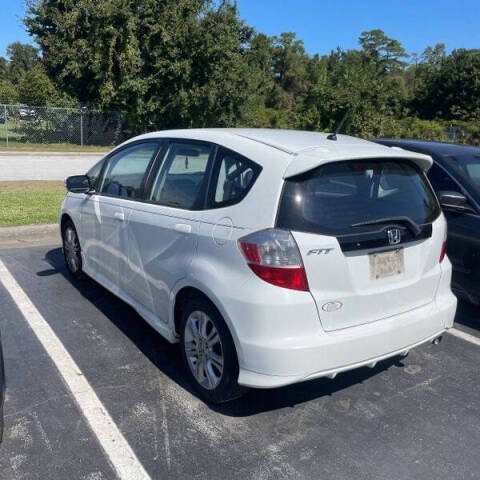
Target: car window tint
x,y
181,178
441,180
473,171
233,177
333,198
469,165
126,169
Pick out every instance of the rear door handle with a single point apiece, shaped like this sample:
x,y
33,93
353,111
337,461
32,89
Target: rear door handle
x,y
119,216
182,228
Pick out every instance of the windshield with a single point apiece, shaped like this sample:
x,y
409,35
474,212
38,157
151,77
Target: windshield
x,y
469,165
337,198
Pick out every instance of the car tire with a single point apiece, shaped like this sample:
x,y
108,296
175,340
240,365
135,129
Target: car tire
x,y
209,353
72,252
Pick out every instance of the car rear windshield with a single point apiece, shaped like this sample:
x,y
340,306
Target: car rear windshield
x,y
333,198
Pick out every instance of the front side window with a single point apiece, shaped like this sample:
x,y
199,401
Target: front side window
x,y
181,179
469,165
125,170
334,198
94,173
233,177
441,180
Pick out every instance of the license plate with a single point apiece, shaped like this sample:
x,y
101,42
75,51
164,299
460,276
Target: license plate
x,y
386,264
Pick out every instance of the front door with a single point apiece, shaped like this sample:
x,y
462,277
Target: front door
x,y
463,241
463,250
89,225
121,188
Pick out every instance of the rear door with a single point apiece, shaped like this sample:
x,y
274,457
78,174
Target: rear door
x,y
370,234
162,233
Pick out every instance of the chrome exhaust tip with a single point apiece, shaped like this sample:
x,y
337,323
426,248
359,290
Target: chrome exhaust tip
x,y
437,340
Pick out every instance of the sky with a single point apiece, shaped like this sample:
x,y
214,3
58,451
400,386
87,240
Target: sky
x,y
324,25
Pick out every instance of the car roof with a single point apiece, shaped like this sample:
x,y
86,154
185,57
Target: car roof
x,y
289,141
431,147
300,150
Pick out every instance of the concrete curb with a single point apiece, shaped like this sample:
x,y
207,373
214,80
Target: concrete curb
x,y
29,235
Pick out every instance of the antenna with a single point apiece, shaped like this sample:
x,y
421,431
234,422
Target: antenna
x,y
333,136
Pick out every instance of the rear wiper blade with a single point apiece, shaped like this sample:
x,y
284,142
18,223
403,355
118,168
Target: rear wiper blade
x,y
412,226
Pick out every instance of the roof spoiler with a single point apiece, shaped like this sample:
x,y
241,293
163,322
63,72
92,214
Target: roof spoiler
x,y
308,160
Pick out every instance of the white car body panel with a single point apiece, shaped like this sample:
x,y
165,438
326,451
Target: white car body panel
x,y
158,254
146,253
344,277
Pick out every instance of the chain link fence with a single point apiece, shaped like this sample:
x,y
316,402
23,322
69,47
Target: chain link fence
x,y
24,124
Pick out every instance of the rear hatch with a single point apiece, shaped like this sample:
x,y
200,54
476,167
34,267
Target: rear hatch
x,y
370,235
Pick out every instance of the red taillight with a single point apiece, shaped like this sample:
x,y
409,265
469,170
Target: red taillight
x,y
250,250
273,256
443,251
287,277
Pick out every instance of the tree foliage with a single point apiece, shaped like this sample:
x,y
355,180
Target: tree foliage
x,y
384,51
23,79
188,63
169,62
8,91
451,87
22,57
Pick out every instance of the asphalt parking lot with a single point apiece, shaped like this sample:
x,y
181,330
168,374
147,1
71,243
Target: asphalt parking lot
x,y
417,417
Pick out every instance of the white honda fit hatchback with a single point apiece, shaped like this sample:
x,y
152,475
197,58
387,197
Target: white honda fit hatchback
x,y
272,256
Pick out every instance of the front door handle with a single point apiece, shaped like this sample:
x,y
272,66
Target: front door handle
x,y
119,216
182,228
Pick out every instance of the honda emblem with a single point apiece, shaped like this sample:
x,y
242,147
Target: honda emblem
x,y
394,236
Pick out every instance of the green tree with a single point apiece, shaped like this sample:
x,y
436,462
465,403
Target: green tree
x,y
35,88
89,48
434,56
8,92
289,62
343,82
451,90
259,56
166,63
384,51
22,57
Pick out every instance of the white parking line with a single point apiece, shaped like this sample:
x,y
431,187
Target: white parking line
x,y
119,453
464,336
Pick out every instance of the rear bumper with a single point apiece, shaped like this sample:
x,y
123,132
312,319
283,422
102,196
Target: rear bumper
x,y
297,359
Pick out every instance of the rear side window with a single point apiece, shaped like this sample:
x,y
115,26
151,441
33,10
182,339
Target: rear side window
x,y
334,197
232,178
125,170
180,182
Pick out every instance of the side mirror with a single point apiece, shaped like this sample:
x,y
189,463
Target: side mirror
x,y
78,184
455,201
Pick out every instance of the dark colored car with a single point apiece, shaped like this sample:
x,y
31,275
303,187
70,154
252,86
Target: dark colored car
x,y
455,176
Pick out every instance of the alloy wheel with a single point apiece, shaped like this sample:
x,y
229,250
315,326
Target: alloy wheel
x,y
203,349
